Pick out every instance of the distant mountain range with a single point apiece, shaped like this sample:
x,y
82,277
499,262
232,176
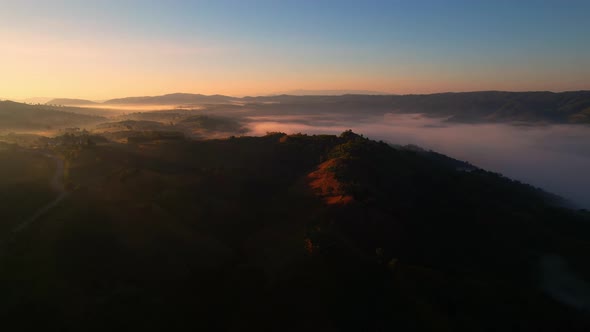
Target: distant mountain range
x,y
466,107
302,92
71,102
498,106
484,106
175,98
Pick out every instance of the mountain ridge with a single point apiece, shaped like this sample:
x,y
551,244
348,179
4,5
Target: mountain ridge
x,y
21,116
180,98
479,106
537,107
70,102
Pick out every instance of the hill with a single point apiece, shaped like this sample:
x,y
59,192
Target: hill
x,y
337,233
71,102
303,92
172,99
539,107
212,124
183,122
473,107
17,116
498,106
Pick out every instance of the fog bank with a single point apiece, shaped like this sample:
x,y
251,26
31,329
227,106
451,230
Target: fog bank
x,y
555,158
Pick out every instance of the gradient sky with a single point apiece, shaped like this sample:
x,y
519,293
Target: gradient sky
x,y
106,49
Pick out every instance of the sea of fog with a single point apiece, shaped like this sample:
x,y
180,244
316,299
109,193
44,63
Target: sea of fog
x,y
555,158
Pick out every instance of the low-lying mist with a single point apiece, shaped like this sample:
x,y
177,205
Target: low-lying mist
x,y
555,158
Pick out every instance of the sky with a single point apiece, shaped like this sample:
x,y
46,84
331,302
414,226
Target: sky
x,y
107,49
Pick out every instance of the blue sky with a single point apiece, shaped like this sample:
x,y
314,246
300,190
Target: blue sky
x,y
255,47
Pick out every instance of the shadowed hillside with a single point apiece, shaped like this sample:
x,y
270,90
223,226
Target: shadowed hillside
x,y
183,123
473,107
323,232
71,102
172,99
17,116
540,107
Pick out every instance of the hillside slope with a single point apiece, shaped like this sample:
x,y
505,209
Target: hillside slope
x,y
536,107
71,102
292,232
17,116
172,99
472,107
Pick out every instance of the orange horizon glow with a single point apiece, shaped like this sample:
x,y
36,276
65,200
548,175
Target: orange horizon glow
x,y
121,51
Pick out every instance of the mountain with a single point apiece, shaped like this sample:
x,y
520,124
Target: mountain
x,y
173,99
529,108
467,107
184,125
327,233
498,106
302,92
472,107
70,102
18,116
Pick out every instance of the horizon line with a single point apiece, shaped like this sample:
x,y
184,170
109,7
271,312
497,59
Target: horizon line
x,y
290,93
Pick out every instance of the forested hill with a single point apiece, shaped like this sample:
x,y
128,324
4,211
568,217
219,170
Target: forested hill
x,y
71,102
174,98
19,116
497,106
290,232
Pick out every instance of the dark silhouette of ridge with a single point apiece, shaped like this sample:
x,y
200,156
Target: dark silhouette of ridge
x,y
70,102
174,98
18,116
